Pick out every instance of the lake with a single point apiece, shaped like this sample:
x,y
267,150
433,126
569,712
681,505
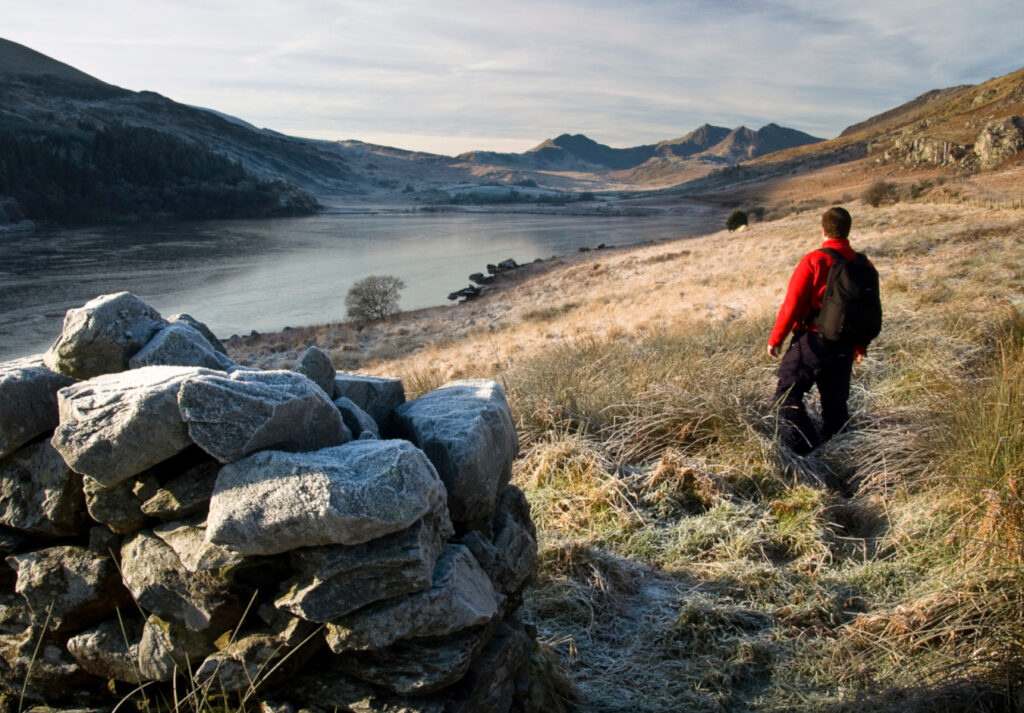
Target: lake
x,y
239,276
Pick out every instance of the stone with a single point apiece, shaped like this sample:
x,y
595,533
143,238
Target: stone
x,y
201,328
378,396
39,494
248,663
160,584
167,649
415,667
461,597
188,540
115,426
499,678
232,416
274,501
466,430
358,421
515,542
179,344
318,368
187,493
291,630
334,689
35,667
68,586
334,580
28,402
119,506
102,335
110,650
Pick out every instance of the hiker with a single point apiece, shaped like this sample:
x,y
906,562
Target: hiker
x,y
826,342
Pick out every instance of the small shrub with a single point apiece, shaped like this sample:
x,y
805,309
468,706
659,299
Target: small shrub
x,y
374,298
879,192
736,220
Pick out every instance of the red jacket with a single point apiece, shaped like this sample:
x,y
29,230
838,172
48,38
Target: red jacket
x,y
806,289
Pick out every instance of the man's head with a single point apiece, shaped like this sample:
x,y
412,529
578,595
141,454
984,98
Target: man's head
x,y
836,222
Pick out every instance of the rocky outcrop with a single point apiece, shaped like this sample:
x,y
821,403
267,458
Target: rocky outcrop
x,y
170,516
999,141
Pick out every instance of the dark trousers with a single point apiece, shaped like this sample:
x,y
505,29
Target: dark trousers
x,y
813,361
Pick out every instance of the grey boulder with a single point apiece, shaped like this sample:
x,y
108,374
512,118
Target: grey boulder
x,y
318,368
39,494
188,540
357,420
461,597
416,667
118,425
378,396
119,506
333,580
28,402
160,583
274,501
110,650
466,430
186,493
69,587
199,327
232,416
167,649
102,335
179,344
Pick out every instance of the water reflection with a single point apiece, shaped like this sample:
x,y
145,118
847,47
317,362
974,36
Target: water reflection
x,y
265,275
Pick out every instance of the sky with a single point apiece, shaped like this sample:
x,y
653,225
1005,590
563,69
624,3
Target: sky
x,y
448,76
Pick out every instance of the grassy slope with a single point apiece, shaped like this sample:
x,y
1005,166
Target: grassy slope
x,y
689,564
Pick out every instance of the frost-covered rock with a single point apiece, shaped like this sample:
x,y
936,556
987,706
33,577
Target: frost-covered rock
x,y
466,430
118,425
179,344
360,423
333,580
378,396
318,368
102,335
28,402
232,416
274,501
460,597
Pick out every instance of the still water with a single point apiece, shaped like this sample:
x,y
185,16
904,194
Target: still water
x,y
238,276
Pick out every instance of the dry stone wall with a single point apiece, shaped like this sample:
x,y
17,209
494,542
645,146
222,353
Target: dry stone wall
x,y
304,538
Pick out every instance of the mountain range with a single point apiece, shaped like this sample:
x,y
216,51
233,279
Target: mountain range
x,y
108,152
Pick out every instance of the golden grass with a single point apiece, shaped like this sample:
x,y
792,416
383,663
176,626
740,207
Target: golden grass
x,y
689,563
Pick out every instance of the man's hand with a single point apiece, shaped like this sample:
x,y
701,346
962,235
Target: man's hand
x,y
773,351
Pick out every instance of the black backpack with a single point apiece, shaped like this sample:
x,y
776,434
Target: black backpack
x,y
851,309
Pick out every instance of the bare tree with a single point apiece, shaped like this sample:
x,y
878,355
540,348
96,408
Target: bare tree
x,y
374,297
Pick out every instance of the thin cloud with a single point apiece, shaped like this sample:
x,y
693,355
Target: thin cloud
x,y
499,73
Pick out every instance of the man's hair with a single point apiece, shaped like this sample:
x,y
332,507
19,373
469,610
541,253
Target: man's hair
x,y
836,221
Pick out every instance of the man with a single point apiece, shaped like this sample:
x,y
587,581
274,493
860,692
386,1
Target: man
x,y
811,359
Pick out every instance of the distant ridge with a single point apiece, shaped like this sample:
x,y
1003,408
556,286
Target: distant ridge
x,y
576,152
18,59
